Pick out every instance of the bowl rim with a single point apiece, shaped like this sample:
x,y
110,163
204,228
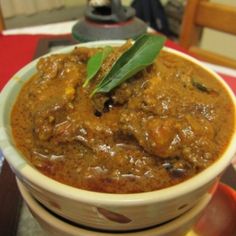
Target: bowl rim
x,y
22,167
68,228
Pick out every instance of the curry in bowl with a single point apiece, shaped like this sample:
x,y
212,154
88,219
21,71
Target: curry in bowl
x,y
161,126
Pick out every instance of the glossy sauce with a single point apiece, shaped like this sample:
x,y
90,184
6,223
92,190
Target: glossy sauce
x,y
159,128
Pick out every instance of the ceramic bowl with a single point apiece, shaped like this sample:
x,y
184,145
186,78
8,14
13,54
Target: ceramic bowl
x,y
57,226
102,210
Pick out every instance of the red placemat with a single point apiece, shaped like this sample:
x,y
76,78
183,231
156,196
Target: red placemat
x,y
15,52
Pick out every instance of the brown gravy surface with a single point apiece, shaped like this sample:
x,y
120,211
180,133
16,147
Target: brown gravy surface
x,y
161,127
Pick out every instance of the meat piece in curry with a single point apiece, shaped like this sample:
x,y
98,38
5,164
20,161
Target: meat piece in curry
x,y
162,126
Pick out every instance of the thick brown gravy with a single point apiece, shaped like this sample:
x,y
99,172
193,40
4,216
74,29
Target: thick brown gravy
x,y
159,128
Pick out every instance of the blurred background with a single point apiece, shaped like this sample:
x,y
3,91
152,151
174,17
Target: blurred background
x,y
22,13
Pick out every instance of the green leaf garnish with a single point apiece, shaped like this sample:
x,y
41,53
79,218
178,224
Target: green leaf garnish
x,y
95,63
136,58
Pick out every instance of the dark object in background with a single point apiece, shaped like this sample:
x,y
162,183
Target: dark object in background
x,y
108,21
153,13
10,202
174,10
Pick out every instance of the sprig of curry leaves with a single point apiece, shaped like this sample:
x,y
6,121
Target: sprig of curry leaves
x,y
95,62
140,55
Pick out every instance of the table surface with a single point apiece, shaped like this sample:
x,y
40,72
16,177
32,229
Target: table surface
x,y
17,48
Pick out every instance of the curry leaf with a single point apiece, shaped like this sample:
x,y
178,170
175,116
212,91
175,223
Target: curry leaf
x,y
200,86
95,63
140,55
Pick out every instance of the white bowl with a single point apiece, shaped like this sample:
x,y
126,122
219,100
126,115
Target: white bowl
x,y
55,226
103,210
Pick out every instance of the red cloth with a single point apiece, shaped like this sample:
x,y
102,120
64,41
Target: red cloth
x,y
18,50
15,52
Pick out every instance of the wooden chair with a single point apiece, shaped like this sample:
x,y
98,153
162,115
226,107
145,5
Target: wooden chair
x,y
2,25
202,13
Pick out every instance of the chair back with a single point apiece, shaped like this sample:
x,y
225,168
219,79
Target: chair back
x,y
2,25
203,13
